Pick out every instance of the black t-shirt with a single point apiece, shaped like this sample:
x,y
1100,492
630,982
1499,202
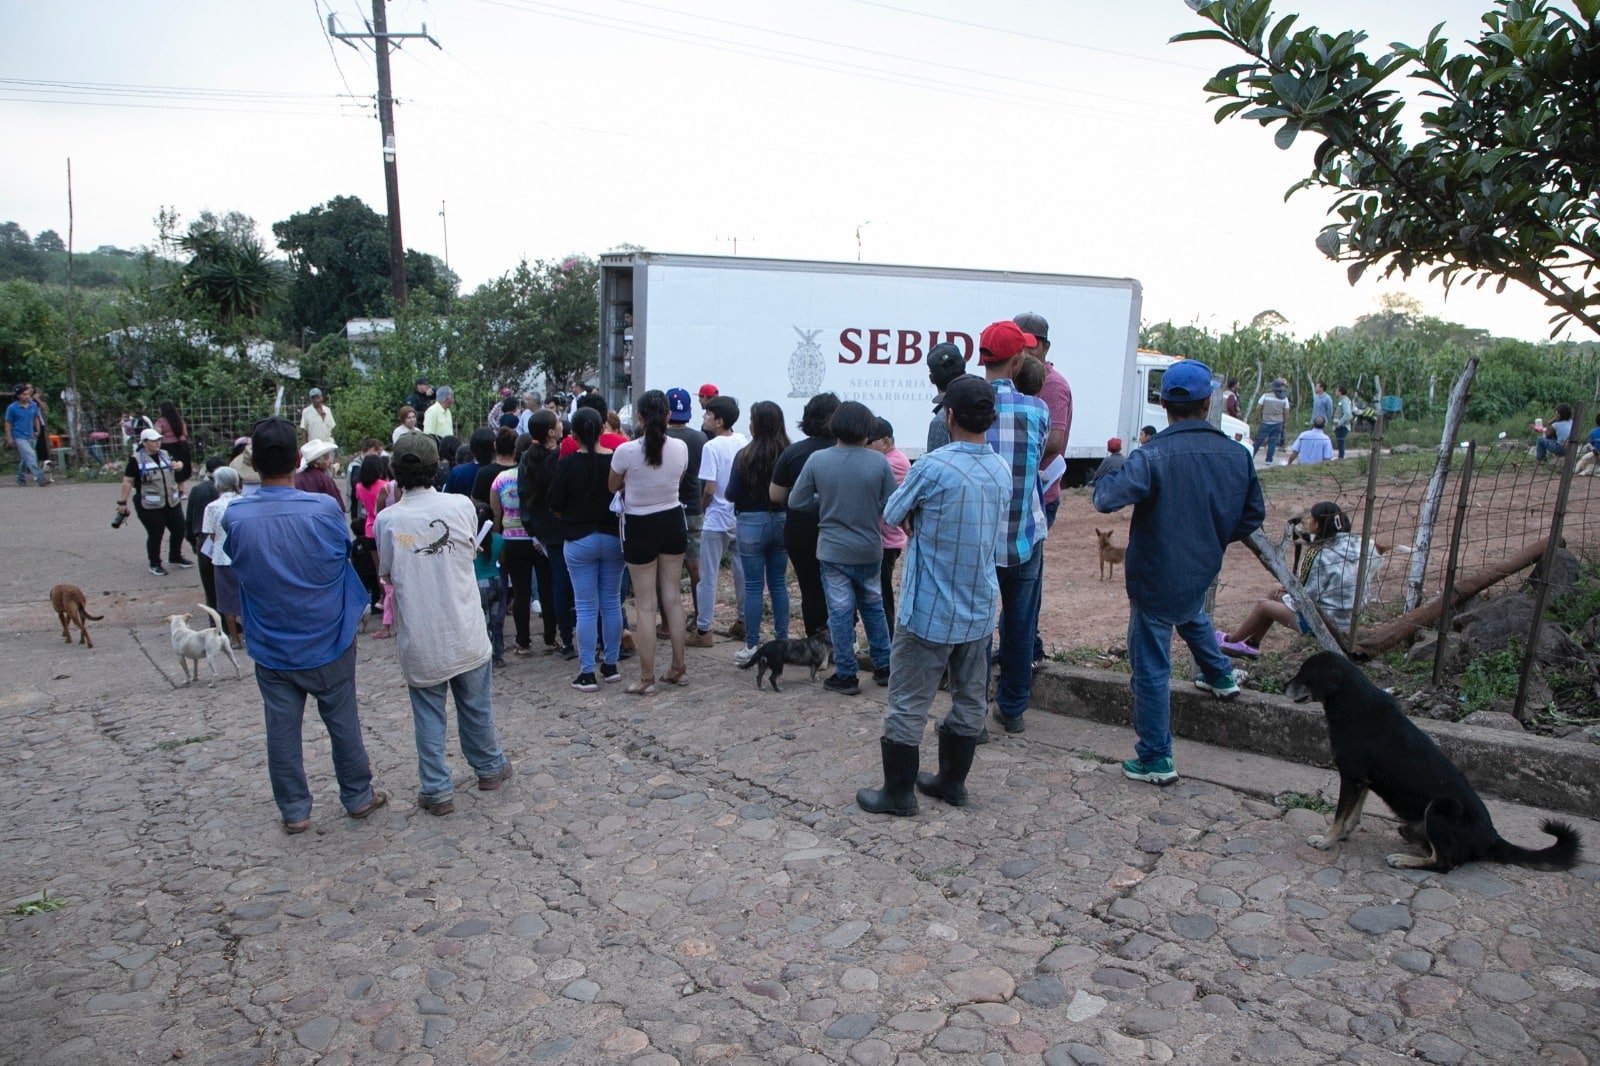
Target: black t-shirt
x,y
689,487
787,472
580,495
485,478
751,495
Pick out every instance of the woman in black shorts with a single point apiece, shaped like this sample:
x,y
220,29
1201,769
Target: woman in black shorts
x,y
646,473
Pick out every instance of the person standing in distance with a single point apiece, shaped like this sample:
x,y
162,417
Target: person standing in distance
x,y
301,602
426,545
1057,397
954,503
945,364
1193,493
316,419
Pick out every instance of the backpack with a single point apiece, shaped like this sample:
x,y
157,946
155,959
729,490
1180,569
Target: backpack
x,y
358,515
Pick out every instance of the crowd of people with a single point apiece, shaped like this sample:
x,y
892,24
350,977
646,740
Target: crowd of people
x,y
547,509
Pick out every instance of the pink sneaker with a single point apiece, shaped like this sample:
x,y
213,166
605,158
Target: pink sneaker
x,y
1237,648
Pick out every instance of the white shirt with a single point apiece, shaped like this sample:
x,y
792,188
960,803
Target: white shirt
x,y
211,524
716,464
425,550
648,489
317,426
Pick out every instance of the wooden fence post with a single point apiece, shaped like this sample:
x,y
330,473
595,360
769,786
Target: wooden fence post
x,y
1520,708
1448,608
1429,511
1366,530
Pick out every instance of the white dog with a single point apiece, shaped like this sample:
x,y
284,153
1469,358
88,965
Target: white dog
x,y
192,645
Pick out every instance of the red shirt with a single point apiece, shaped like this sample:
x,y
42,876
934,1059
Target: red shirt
x,y
1057,395
569,443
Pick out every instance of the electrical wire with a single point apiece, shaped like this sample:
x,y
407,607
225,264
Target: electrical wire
x,y
318,5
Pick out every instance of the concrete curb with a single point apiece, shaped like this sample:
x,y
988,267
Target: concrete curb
x,y
1538,771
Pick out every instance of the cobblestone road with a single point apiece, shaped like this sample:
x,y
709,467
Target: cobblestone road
x,y
686,880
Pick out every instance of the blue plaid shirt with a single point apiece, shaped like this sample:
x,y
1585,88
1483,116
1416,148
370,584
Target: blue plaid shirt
x,y
1017,436
957,496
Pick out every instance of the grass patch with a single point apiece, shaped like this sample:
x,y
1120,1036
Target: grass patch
x,y
1093,756
1489,679
1582,601
1303,801
45,903
174,745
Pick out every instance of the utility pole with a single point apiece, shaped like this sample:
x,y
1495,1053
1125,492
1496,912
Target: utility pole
x,y
378,33
75,428
444,224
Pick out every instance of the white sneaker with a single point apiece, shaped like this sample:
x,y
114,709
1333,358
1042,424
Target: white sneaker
x,y
744,655
537,609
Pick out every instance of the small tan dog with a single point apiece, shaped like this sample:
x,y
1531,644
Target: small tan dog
x,y
1110,555
71,609
192,645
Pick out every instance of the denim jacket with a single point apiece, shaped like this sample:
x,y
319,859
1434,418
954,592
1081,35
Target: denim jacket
x,y
1193,492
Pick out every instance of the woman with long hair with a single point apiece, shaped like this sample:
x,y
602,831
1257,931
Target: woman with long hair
x,y
372,478
1328,573
800,527
535,467
580,496
175,441
761,524
647,472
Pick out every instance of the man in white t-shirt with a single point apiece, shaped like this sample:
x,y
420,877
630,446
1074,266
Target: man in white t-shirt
x,y
426,543
316,419
717,533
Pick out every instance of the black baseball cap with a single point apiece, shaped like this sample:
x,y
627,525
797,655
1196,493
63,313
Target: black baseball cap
x,y
945,361
969,394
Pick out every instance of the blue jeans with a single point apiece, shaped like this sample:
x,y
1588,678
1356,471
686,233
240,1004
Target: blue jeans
x,y
1019,616
1543,447
474,723
595,564
1269,434
1341,434
1150,660
283,698
491,597
561,594
27,460
852,587
761,550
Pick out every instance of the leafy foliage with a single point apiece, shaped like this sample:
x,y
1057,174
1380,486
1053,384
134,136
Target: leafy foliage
x,y
542,318
231,278
1500,183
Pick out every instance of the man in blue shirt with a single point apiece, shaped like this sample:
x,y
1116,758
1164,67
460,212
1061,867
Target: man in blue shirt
x,y
1018,437
22,433
956,498
1193,492
301,601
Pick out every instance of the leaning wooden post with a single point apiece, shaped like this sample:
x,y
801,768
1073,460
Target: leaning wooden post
x,y
1442,645
1435,494
1366,528
1268,554
1520,708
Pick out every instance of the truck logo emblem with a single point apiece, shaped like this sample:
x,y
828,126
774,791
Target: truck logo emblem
x,y
806,365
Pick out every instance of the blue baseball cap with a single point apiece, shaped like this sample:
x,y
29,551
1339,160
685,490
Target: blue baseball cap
x,y
678,405
1186,381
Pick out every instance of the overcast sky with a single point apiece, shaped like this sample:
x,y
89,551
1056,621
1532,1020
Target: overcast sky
x,y
1064,136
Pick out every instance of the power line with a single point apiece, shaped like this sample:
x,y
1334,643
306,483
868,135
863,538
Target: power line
x,y
1034,36
317,5
179,91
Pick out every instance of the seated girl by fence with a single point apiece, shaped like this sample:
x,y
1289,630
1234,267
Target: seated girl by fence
x,y
1328,572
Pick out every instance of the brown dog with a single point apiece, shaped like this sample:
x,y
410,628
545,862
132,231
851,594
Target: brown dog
x,y
71,608
1110,556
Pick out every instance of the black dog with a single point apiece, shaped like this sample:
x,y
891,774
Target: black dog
x,y
815,652
1377,748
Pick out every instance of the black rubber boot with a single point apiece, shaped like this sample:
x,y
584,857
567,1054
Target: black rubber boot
x,y
955,760
897,796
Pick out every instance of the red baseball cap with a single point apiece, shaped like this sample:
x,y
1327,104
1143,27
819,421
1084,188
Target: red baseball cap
x,y
707,391
1001,341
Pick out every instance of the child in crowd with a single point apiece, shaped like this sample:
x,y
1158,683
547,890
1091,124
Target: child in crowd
x,y
486,568
894,538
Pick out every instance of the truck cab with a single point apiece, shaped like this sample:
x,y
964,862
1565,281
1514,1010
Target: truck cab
x,y
1151,366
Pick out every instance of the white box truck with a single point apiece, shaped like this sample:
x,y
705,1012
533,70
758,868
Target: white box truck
x,y
780,330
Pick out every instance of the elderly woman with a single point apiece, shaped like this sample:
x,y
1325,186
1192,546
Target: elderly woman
x,y
313,476
151,481
406,422
213,545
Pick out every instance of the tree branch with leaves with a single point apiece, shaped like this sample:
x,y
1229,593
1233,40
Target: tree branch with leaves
x,y
1500,178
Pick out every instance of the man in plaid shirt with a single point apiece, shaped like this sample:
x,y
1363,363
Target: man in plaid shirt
x,y
954,502
1018,436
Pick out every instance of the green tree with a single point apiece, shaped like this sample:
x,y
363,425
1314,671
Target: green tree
x,y
1500,181
542,317
339,263
12,235
228,277
49,240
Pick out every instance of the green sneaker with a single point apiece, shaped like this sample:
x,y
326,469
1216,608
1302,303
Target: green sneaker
x,y
1223,688
1156,771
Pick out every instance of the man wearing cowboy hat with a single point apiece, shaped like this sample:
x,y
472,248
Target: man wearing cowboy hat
x,y
316,419
313,476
